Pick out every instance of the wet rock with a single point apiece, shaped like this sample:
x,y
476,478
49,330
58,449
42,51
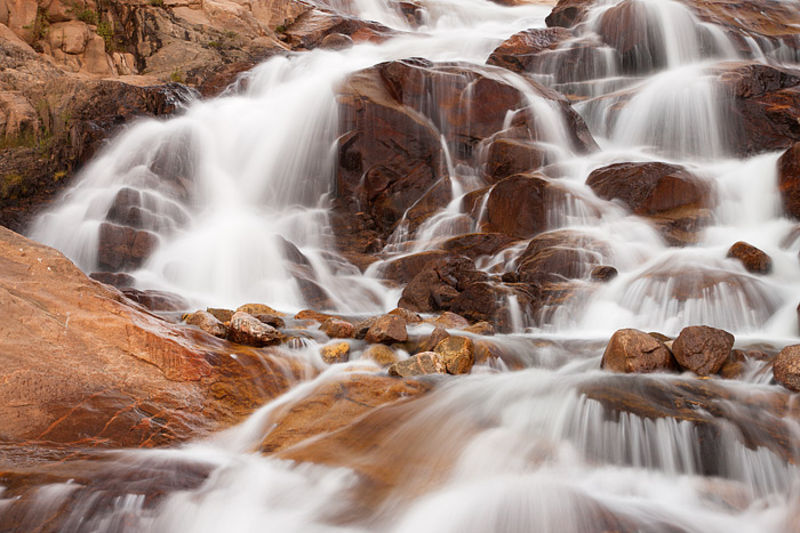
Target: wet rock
x,y
403,269
457,354
673,198
508,157
786,368
419,365
335,353
271,320
481,328
338,329
754,260
390,152
625,28
119,280
409,316
560,255
387,329
437,335
789,180
124,248
762,104
649,188
83,365
603,273
363,326
567,13
223,315
450,320
247,329
336,41
634,351
475,245
518,206
435,289
381,354
519,51
207,322
702,349
258,309
157,301
310,314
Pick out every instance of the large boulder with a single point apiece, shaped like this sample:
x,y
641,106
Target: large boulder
x,y
518,52
83,364
675,200
567,13
247,329
518,206
702,349
387,329
559,255
634,351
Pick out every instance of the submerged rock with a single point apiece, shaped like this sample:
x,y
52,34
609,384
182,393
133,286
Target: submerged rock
x,y
702,349
634,351
421,364
338,352
381,354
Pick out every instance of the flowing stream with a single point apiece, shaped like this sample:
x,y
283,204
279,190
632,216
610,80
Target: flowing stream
x,y
230,180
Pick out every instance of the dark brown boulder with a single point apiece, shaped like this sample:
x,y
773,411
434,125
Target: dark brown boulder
x,y
754,260
403,269
435,289
568,13
475,245
518,51
124,248
626,28
157,301
634,351
603,273
560,255
387,329
702,349
789,180
786,368
649,188
312,27
762,103
508,157
518,206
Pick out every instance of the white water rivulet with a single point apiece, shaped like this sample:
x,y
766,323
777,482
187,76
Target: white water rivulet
x,y
554,446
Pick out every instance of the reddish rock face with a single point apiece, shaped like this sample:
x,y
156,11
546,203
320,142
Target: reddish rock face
x,y
789,180
634,351
762,107
786,368
83,366
124,248
338,329
702,349
474,245
403,269
567,13
510,156
393,118
754,260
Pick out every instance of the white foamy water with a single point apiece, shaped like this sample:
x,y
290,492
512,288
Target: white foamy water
x,y
228,182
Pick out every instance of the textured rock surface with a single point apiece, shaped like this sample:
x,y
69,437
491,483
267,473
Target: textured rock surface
x,y
702,349
634,351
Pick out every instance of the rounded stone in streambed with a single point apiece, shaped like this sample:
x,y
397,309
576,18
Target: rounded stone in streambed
x,y
633,351
247,329
754,260
207,322
336,328
457,354
702,349
387,329
786,368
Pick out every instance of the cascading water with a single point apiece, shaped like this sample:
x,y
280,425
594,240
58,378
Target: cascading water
x,y
233,183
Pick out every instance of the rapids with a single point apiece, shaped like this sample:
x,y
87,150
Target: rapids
x,y
231,179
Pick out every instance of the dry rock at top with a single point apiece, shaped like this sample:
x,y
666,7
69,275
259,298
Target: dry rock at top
x,y
702,349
